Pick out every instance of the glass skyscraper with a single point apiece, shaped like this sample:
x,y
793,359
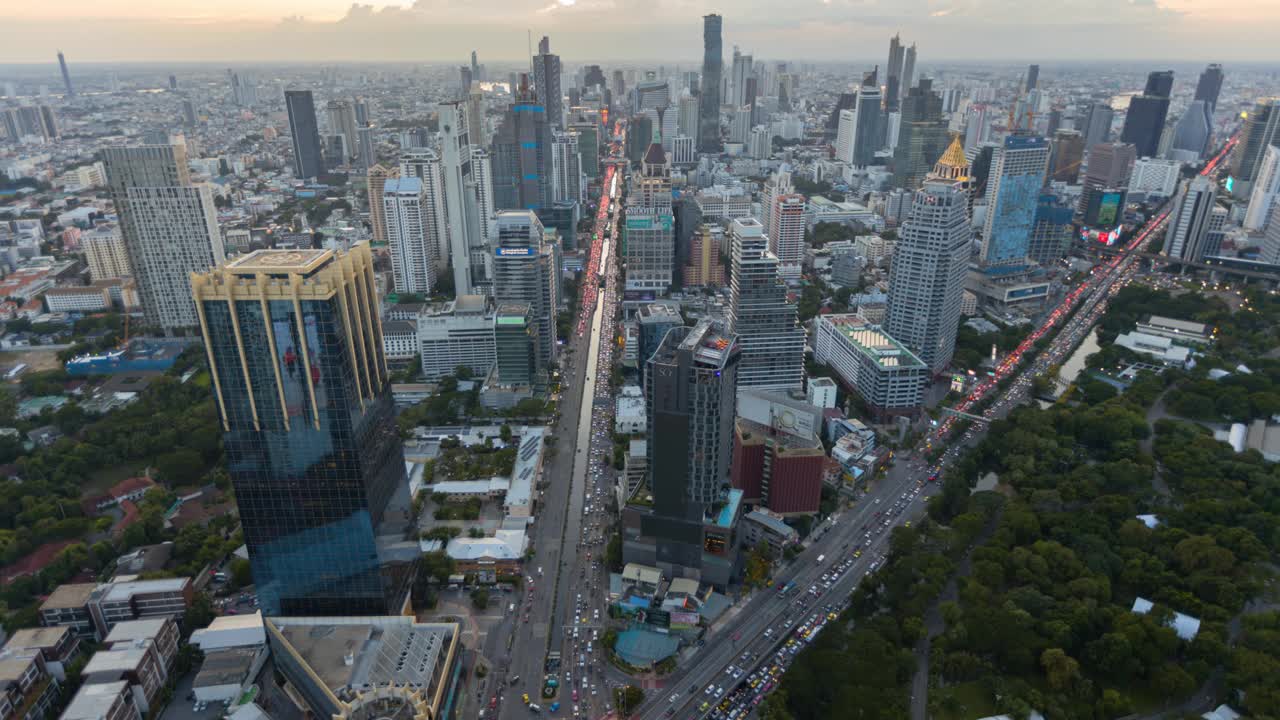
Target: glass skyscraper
x,y
308,161
295,352
1017,175
709,93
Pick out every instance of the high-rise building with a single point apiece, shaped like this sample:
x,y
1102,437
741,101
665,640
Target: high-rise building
x,y
1189,222
705,268
762,317
1013,188
893,75
105,253
1098,118
457,333
786,233
170,228
858,133
312,448
777,184
588,145
690,390
741,73
1144,121
526,270
908,70
926,279
1266,188
1110,166
466,207
889,378
778,464
425,166
475,119
188,113
308,160
376,182
1192,133
342,121
1261,130
687,116
1052,232
1033,77
1068,156
649,233
515,344
546,79
566,168
522,154
66,76
709,95
1210,86
922,135
411,228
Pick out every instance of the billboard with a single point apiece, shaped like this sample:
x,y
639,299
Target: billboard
x,y
1109,209
513,252
684,620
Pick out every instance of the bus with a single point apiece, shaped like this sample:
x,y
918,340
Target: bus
x,y
787,588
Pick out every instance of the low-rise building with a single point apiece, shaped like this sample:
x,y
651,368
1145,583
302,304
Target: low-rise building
x,y
629,414
457,334
27,690
141,652
399,340
1160,348
102,701
92,610
57,646
888,376
1183,332
822,392
760,525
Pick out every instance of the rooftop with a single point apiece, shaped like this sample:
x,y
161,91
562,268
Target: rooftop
x,y
94,700
69,595
872,341
37,638
270,261
134,630
120,592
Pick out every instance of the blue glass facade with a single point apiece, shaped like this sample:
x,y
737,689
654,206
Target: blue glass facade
x,y
1018,176
313,453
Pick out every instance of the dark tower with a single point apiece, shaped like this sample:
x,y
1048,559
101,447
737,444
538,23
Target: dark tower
x,y
66,76
709,96
308,162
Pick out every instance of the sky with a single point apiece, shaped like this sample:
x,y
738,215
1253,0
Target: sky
x,y
640,30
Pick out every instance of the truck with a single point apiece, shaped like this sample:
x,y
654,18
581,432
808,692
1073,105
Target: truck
x,y
787,588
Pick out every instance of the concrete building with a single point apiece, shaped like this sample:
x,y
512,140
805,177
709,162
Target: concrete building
x,y
459,333
412,235
786,233
139,652
705,267
526,270
778,457
105,252
762,318
169,225
822,392
1187,234
102,701
760,525
888,376
649,230
27,690
1266,188
1154,176
1110,166
1013,188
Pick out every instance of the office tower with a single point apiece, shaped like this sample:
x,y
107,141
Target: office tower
x,y
366,155
411,228
312,448
477,70
1017,174
831,131
475,119
1144,121
1033,77
650,94
777,184
515,345
858,134
977,129
546,80
1110,166
362,112
66,76
687,116
922,135
709,97
893,75
619,86
308,161
453,334
1261,130
649,234
105,253
342,121
786,233
188,113
1210,86
667,122
566,168
526,269
48,123
377,181
1265,190
1097,124
170,228
173,82
705,268
742,68
908,70
778,464
593,77
740,126
1052,230
1068,155
926,279
762,317
426,167
1270,249
1188,229
588,145
466,203
522,154
1192,133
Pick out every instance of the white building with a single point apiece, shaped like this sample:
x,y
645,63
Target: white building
x,y
410,220
1265,190
1155,176
822,392
457,333
630,417
728,203
888,376
786,234
105,252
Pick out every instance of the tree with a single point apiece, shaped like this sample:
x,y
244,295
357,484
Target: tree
x,y
480,599
759,563
629,698
241,573
1059,667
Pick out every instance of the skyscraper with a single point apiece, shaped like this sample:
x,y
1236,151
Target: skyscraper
x,y
526,269
742,72
786,233
1068,155
704,269
1261,130
546,79
858,135
649,234
342,121
1033,77
411,227
1110,167
66,76
312,449
1013,188
908,70
1189,222
1210,86
1266,188
170,228
762,317
425,165
690,389
1097,123
566,168
893,75
308,161
922,135
709,96
522,154
926,279
377,181
465,197
1191,134
1144,121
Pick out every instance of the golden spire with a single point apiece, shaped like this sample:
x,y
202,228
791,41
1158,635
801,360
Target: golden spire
x,y
952,166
